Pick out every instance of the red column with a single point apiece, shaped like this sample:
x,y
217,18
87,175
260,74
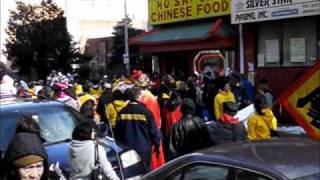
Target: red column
x,y
250,45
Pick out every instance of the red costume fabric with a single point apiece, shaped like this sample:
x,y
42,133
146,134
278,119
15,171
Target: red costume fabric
x,y
148,99
171,117
226,118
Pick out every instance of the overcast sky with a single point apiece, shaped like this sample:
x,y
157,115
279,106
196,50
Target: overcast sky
x,y
77,10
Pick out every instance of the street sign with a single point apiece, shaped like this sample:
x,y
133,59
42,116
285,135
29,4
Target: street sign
x,y
125,58
302,101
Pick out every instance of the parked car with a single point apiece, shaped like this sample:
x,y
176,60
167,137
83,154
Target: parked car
x,y
57,122
275,159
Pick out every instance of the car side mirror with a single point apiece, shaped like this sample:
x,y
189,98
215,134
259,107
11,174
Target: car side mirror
x,y
129,158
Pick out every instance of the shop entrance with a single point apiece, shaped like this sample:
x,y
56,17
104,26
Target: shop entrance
x,y
177,64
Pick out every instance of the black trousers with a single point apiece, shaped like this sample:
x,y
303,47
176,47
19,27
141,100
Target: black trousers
x,y
146,159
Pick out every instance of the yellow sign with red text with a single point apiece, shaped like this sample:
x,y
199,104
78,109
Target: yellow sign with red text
x,y
168,11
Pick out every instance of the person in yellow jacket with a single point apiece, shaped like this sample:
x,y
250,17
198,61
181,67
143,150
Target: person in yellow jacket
x,y
78,88
262,121
96,90
224,95
88,105
84,97
115,106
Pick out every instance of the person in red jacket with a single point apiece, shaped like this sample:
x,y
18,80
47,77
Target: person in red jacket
x,y
171,114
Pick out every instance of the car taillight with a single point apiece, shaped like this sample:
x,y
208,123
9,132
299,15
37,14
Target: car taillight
x,y
129,158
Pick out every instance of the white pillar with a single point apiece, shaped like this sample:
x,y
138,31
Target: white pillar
x,y
155,64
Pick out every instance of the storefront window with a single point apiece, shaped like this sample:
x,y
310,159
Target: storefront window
x,y
291,42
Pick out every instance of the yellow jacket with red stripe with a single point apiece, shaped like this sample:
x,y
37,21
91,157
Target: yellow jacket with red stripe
x,y
259,126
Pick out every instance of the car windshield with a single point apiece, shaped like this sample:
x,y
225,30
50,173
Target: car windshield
x,y
56,123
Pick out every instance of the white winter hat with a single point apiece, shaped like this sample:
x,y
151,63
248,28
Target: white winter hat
x,y
7,79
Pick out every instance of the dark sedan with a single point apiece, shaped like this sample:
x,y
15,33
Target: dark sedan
x,y
275,159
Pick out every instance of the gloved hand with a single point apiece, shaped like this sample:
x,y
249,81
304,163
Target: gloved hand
x,y
55,172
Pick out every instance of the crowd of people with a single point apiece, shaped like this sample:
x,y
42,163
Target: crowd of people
x,y
161,118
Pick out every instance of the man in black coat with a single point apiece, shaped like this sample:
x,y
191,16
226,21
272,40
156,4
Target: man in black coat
x,y
190,133
228,128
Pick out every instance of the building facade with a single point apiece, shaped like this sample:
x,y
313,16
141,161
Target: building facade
x,y
182,29
281,39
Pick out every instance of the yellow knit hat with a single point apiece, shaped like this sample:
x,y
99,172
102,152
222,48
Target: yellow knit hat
x,y
85,98
27,160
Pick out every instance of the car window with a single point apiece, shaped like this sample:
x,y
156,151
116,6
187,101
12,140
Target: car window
x,y
56,123
8,123
202,172
248,175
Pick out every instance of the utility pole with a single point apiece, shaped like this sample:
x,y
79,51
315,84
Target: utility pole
x,y
126,58
241,49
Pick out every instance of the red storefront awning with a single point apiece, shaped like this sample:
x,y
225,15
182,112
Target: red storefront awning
x,y
201,35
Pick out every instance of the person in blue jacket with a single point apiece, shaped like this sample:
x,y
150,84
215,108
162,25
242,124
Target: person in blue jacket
x,y
136,128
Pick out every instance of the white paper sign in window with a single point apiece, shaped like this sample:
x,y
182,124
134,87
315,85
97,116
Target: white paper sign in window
x,y
260,60
297,49
272,53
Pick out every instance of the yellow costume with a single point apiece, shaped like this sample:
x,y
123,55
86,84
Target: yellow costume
x,y
112,110
78,89
96,92
220,98
86,97
259,126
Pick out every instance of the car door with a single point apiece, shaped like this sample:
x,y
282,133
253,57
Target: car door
x,y
209,171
